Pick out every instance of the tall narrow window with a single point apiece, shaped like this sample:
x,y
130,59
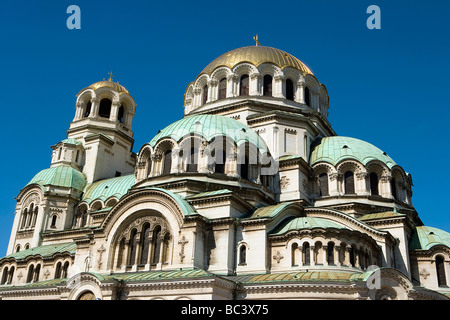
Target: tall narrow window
x,y
245,168
167,162
133,246
306,254
330,253
192,160
58,270
65,269
289,89
11,275
120,115
145,244
323,184
105,108
440,270
5,275
30,273
53,225
307,97
244,85
220,157
121,252
223,88
394,188
294,253
87,111
267,86
157,244
349,183
205,94
243,255
373,183
37,272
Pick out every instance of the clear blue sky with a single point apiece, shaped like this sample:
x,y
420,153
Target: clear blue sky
x,y
389,87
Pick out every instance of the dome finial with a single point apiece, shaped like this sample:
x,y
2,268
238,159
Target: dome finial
x,y
110,76
256,39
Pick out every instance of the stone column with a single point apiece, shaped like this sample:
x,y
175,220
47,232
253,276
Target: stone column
x,y
231,85
279,88
113,116
300,91
325,254
312,256
94,108
255,84
337,260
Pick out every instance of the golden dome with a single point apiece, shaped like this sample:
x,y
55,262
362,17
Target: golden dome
x,y
109,84
257,55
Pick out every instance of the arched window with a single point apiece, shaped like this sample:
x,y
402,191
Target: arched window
x,y
87,111
307,97
4,275
53,225
24,218
30,273
295,254
352,257
306,254
167,162
120,115
394,188
58,270
121,252
84,217
192,160
330,253
373,183
440,271
156,244
349,182
223,88
289,89
242,255
244,85
133,246
205,94
245,168
267,86
145,243
323,184
105,108
219,161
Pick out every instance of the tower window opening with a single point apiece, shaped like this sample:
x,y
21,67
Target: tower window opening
x,y
349,182
267,86
244,85
167,162
105,108
87,111
205,94
223,88
373,183
120,115
289,89
307,97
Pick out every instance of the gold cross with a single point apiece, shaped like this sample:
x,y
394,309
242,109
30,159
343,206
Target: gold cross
x,y
110,76
256,39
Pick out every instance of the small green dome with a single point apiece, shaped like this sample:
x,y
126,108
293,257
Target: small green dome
x,y
336,149
307,223
60,176
103,189
423,238
210,126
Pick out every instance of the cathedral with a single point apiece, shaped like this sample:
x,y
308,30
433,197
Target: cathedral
x,y
251,195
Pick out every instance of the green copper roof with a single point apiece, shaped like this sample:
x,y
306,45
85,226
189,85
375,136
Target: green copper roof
x,y
307,223
103,189
60,176
336,149
71,141
423,238
44,251
210,126
302,276
269,211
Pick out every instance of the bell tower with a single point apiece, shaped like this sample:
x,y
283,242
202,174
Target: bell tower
x,y
102,123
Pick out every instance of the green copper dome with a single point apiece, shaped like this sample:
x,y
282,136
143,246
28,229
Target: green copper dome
x,y
60,176
423,238
210,126
103,189
336,149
